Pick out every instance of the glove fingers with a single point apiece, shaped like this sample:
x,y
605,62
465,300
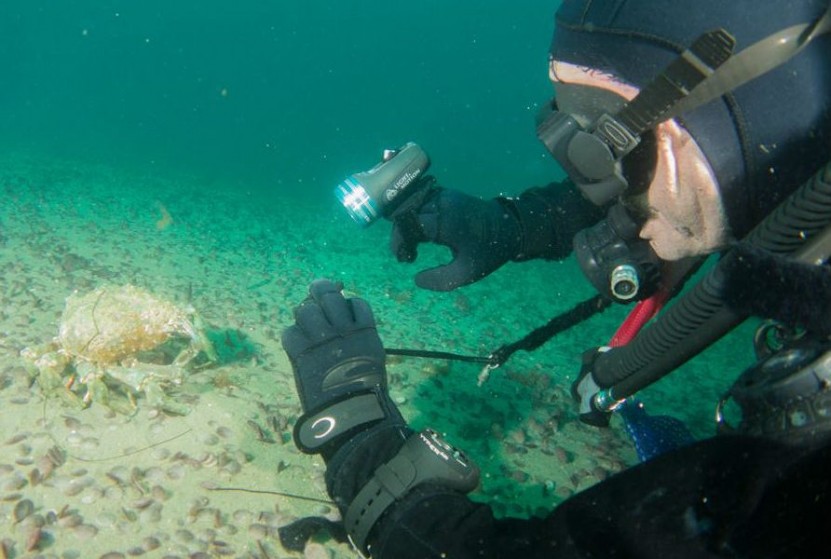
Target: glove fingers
x,y
312,321
338,311
343,314
332,305
402,245
412,228
320,287
448,277
295,341
362,313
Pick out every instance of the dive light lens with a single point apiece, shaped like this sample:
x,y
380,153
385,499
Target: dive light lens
x,y
357,201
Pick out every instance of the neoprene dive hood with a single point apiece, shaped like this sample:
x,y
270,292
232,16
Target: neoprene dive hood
x,y
780,121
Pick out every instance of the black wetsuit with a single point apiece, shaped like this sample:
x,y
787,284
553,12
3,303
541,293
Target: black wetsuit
x,y
729,496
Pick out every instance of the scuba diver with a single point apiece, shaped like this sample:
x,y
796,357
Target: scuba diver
x,y
685,129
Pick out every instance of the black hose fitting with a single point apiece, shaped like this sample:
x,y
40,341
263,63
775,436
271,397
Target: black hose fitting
x,y
701,317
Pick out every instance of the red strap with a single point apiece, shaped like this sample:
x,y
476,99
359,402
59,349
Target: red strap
x,y
640,315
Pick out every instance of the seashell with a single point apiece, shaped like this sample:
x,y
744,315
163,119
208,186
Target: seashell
x,y
24,461
160,453
150,543
85,531
154,474
222,548
130,515
113,555
55,457
32,521
183,536
228,529
106,520
153,513
562,455
92,495
22,436
224,432
175,472
322,510
23,509
76,485
207,459
204,513
143,503
600,473
90,443
314,550
232,467
242,516
35,476
14,483
136,478
258,531
159,493
119,475
72,423
33,540
70,520
201,502
24,449
267,517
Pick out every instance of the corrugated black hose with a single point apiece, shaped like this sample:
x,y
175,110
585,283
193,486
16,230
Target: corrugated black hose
x,y
700,317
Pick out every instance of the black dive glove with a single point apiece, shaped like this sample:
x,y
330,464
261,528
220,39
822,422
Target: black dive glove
x,y
482,235
339,369
373,460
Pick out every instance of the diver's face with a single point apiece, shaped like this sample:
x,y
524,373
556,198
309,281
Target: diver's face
x,y
684,212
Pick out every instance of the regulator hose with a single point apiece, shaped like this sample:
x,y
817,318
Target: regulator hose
x,y
700,316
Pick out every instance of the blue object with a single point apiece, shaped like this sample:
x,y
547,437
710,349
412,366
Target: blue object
x,y
653,435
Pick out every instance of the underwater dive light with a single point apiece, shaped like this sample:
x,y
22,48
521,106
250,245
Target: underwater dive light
x,y
376,193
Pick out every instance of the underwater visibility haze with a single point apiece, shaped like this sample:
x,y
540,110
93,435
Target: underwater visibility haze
x,y
176,160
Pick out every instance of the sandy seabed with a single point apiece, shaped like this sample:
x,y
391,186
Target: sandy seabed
x,y
220,480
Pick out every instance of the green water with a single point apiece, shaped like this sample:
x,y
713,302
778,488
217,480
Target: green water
x,y
239,119
281,95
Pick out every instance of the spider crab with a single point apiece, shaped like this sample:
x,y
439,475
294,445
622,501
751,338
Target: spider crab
x,y
119,342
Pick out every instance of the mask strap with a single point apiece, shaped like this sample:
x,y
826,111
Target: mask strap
x,y
695,66
757,59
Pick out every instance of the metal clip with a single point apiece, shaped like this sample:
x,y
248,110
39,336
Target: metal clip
x,y
485,373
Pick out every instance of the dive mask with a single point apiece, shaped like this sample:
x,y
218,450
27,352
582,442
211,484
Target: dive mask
x,y
593,148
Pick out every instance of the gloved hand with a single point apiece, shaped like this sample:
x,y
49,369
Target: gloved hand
x,y
339,370
585,389
333,346
482,235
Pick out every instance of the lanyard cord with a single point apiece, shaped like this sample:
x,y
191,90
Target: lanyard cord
x,y
580,312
